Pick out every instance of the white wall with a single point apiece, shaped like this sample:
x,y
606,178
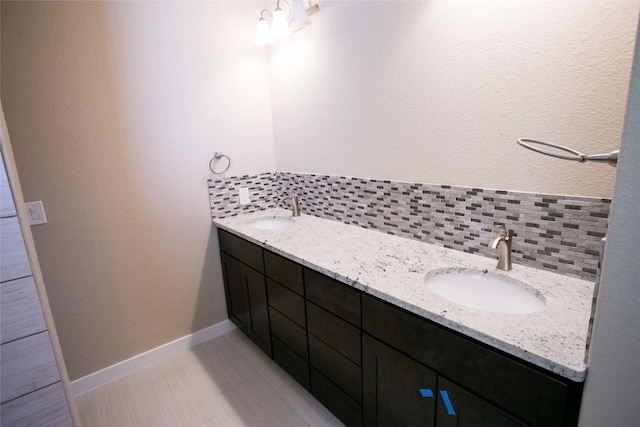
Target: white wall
x,y
438,91
115,109
611,396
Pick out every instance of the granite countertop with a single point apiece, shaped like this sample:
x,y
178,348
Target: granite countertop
x,y
393,269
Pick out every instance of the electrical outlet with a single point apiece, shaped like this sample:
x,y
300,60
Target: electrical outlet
x,y
243,195
35,212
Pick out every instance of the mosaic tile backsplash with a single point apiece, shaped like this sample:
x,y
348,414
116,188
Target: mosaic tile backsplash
x,y
223,194
551,232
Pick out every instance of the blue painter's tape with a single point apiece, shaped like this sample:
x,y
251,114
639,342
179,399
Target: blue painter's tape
x,y
447,402
426,392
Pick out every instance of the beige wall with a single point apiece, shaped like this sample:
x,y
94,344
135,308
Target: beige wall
x,y
115,109
438,91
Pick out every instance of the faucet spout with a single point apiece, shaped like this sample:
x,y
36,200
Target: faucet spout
x,y
503,244
295,204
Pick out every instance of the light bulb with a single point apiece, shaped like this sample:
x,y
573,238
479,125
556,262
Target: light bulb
x,y
280,27
263,35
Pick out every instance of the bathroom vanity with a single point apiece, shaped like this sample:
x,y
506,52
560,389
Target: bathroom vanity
x,y
345,311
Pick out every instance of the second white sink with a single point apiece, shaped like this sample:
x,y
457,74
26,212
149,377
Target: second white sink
x,y
485,290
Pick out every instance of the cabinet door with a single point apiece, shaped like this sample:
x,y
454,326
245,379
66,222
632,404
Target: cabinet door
x,y
460,408
236,292
398,391
259,330
246,293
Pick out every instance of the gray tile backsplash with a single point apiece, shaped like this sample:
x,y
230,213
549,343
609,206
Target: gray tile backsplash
x,y
223,194
552,232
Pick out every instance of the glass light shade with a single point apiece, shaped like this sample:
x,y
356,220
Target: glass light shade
x,y
263,35
280,27
299,17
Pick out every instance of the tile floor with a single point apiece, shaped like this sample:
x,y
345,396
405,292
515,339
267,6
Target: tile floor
x,y
224,382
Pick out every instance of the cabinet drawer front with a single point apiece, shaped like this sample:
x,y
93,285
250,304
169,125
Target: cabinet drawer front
x,y
344,407
289,333
342,371
295,365
531,395
286,302
284,271
333,296
334,331
241,249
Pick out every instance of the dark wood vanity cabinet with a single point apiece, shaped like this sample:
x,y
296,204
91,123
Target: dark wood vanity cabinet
x,y
374,364
245,288
483,386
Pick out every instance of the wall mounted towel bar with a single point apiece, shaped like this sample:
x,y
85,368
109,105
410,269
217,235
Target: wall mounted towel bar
x,y
611,158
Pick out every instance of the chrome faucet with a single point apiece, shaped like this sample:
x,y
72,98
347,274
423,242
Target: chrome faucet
x,y
503,244
295,206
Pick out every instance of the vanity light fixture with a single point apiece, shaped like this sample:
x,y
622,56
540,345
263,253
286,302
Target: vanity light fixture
x,y
282,25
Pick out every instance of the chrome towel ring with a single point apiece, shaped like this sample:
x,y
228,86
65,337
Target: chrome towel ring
x,y
217,156
611,158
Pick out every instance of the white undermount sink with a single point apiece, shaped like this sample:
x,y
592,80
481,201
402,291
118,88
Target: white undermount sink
x,y
484,290
271,222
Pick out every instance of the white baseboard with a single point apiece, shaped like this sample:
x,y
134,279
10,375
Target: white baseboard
x,y
120,369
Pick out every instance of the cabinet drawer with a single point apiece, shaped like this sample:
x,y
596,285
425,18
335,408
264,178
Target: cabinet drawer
x,y
295,365
344,407
284,271
241,249
333,296
334,331
531,395
289,333
342,371
286,302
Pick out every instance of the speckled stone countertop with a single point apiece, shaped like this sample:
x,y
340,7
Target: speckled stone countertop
x,y
393,269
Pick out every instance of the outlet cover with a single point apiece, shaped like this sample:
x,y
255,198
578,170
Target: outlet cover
x,y
35,212
243,195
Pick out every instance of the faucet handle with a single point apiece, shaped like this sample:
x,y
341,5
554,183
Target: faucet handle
x,y
505,232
